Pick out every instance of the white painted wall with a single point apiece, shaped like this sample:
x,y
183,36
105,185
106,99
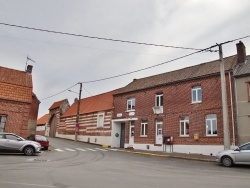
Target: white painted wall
x,y
195,149
99,140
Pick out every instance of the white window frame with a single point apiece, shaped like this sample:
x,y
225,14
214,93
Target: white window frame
x,y
211,120
100,120
131,102
185,121
195,94
159,99
144,129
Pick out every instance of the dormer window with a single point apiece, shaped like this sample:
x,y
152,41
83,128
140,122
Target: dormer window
x,y
130,104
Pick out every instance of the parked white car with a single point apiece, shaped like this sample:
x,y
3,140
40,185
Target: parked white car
x,y
240,155
13,143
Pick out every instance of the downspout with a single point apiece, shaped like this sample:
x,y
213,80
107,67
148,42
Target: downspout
x,y
232,109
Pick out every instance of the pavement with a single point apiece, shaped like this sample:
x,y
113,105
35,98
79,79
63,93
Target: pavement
x,y
187,156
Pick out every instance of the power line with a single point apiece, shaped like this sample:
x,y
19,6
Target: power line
x,y
59,92
99,38
203,50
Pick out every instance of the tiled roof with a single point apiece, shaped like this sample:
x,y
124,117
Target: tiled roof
x,y
15,77
43,120
96,103
243,69
15,85
57,104
188,73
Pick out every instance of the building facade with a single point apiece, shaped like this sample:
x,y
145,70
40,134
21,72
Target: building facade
x,y
184,105
18,104
242,85
94,120
55,112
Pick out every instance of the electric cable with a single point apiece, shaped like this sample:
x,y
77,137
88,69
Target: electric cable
x,y
99,38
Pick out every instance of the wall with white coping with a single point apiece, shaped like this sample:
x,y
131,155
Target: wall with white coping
x,y
99,140
197,149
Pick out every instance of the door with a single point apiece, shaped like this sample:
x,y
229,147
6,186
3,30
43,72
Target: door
x,y
131,133
122,138
53,126
158,128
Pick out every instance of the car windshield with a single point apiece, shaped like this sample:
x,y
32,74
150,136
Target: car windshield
x,y
41,138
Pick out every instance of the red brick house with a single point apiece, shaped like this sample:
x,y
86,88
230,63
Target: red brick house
x,y
18,104
55,112
185,104
94,120
41,124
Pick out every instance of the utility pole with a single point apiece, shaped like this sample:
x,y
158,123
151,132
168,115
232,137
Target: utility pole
x,y
224,101
78,112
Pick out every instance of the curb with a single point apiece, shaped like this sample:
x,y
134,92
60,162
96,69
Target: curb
x,y
168,156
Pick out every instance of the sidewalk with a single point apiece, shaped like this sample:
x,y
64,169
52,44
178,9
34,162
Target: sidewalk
x,y
197,157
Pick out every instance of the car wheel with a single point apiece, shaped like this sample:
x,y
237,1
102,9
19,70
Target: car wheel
x,y
28,150
227,161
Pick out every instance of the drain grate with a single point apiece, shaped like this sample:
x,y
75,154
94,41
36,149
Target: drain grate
x,y
38,160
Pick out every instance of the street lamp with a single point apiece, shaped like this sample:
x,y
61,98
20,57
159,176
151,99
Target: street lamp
x,y
78,111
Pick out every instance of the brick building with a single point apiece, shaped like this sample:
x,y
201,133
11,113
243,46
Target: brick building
x,y
18,104
185,104
94,120
55,112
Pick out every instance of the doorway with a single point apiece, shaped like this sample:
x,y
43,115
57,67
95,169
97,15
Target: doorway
x,y
122,137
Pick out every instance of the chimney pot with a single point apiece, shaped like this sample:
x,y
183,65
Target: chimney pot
x,y
29,69
241,52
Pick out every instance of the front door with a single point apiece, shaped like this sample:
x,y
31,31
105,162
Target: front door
x,y
158,128
131,133
122,138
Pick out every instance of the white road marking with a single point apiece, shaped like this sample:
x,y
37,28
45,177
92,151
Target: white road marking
x,y
90,149
80,149
69,149
59,150
101,149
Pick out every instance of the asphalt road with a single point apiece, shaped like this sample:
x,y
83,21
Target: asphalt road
x,y
81,165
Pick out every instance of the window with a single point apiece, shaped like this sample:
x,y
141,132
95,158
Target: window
x,y
100,120
184,126
196,94
131,104
2,122
159,100
144,128
211,125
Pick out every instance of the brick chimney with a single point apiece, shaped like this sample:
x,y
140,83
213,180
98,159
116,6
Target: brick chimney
x,y
241,52
29,69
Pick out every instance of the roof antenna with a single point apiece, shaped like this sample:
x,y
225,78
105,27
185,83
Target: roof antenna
x,y
28,59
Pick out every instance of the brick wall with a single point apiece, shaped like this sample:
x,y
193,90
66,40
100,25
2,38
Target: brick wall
x,y
177,103
87,125
17,116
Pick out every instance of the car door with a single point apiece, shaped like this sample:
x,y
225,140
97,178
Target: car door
x,y
12,143
243,156
2,142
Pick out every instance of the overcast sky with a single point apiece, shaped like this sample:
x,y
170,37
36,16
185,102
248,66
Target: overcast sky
x,y
62,60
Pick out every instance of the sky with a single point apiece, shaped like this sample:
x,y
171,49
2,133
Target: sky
x,y
62,61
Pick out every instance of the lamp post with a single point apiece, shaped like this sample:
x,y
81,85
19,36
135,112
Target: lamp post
x,y
78,111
